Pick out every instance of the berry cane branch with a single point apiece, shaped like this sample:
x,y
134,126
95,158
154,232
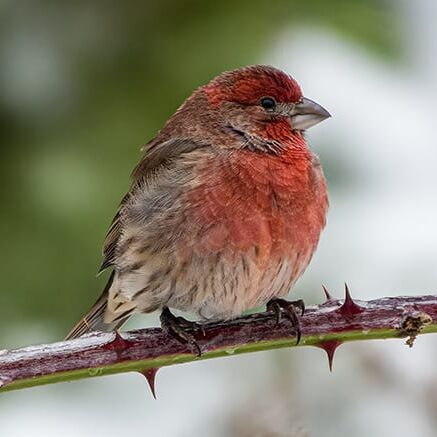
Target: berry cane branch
x,y
325,326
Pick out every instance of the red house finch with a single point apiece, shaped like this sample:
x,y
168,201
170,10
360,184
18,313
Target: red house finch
x,y
225,208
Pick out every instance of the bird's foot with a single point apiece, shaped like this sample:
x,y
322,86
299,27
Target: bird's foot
x,y
282,307
182,329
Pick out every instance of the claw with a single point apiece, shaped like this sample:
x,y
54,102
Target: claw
x,y
180,328
274,307
301,305
193,326
288,309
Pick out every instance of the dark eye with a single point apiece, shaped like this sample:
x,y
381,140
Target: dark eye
x,y
268,103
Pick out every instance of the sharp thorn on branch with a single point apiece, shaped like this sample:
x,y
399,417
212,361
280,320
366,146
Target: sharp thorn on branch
x,y
329,297
349,308
330,346
150,375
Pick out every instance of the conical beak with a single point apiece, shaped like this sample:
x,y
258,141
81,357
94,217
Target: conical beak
x,y
306,114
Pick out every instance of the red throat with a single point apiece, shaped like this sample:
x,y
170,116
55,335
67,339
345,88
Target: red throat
x,y
280,130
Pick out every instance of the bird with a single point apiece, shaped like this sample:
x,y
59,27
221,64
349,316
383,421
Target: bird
x,y
224,211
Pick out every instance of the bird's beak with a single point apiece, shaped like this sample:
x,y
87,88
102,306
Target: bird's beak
x,y
307,113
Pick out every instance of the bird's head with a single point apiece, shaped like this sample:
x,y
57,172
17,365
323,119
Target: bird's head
x,y
262,101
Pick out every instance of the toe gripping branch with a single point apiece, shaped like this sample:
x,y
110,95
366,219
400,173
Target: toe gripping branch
x,y
282,307
182,329
348,309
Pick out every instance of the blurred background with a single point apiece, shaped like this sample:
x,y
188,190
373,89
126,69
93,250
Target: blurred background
x,y
84,84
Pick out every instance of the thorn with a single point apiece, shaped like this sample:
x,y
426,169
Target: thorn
x,y
119,342
329,297
330,346
349,307
150,375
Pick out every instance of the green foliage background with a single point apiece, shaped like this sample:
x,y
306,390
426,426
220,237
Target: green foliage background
x,y
126,66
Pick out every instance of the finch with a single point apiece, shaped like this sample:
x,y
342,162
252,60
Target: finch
x,y
225,209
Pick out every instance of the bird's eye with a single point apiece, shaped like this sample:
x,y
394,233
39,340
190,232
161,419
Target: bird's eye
x,y
268,103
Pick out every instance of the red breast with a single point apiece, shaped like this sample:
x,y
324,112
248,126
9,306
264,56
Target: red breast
x,y
268,204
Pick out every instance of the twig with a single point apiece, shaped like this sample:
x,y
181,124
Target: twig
x,y
325,326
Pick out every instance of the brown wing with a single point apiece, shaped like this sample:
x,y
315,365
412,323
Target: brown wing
x,y
156,179
112,237
159,156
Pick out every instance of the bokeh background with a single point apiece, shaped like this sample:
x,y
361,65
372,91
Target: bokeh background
x,y
84,84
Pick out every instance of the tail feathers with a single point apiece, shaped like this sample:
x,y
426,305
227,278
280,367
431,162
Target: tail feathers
x,y
94,319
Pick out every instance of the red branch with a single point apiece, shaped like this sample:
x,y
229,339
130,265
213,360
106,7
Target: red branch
x,y
327,326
